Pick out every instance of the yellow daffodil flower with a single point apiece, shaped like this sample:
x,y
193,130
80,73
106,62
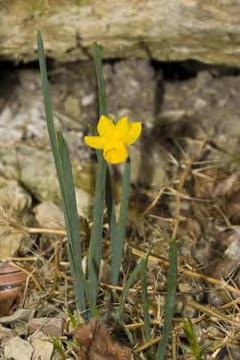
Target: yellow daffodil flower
x,y
114,137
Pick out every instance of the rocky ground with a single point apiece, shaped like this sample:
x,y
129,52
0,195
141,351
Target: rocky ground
x,y
188,152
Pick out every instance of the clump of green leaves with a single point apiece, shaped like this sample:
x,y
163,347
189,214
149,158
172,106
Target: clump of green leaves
x,y
86,286
196,350
58,347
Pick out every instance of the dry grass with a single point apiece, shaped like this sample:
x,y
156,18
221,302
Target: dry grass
x,y
216,324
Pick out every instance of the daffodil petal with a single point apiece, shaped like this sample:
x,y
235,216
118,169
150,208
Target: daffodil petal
x,y
122,127
105,126
116,154
95,142
133,133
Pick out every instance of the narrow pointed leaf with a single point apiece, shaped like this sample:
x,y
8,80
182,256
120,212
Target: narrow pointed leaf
x,y
66,186
100,79
95,247
132,278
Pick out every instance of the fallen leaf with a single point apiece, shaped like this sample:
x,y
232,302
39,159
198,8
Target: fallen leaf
x,y
16,346
225,187
5,334
19,315
49,326
95,343
42,347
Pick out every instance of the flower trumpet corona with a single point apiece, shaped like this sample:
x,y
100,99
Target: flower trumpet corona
x,y
114,137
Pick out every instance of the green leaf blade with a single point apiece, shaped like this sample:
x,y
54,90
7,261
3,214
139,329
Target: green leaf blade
x,y
65,180
134,274
100,78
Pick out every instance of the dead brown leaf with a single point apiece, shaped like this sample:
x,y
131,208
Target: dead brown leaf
x,y
95,343
49,326
226,186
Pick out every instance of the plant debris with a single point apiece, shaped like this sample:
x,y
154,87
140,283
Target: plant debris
x,y
95,343
185,177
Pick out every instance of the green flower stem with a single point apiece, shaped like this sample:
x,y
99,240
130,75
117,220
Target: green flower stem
x,y
95,247
117,230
